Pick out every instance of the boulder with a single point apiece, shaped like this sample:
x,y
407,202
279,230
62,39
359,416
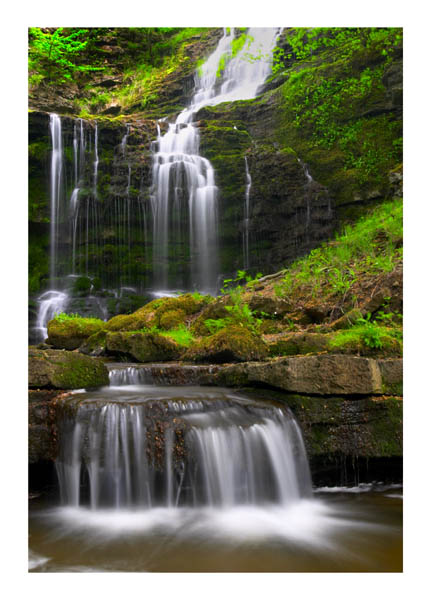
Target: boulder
x,y
144,347
214,311
231,344
324,374
298,343
69,333
269,306
95,345
60,369
153,313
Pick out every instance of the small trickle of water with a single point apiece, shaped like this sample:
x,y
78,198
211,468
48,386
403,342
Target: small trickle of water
x,y
247,216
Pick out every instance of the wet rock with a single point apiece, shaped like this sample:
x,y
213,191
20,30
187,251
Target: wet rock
x,y
42,429
61,369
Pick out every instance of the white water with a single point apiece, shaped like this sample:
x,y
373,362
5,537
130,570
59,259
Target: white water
x,y
184,181
144,446
50,303
56,188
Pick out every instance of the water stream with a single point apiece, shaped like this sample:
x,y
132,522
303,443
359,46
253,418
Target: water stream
x,y
168,478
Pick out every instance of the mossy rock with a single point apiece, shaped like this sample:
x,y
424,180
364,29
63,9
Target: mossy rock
x,y
95,345
171,319
231,344
152,314
348,319
61,369
82,286
143,347
128,322
299,343
188,303
268,306
214,311
390,347
70,333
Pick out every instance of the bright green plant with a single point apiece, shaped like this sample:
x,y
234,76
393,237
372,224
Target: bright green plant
x,y
55,54
181,335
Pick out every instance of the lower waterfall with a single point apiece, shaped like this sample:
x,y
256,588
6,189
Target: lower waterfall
x,y
188,478
148,446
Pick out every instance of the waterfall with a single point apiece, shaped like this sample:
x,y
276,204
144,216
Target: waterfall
x,y
184,181
56,188
246,216
146,447
96,161
183,196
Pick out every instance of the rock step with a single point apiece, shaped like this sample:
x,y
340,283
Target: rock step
x,y
324,374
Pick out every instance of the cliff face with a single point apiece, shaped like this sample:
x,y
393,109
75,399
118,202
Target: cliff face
x,y
318,154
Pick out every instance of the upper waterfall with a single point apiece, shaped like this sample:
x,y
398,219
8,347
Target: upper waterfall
x,y
183,181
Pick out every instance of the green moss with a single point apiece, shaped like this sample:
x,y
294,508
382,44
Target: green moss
x,y
144,347
367,338
82,285
65,370
181,335
171,318
95,345
231,344
216,311
299,343
69,332
38,263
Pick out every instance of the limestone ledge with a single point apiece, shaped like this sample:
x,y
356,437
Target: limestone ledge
x,y
324,374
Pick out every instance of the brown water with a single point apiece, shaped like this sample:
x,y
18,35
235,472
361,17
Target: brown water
x,y
336,531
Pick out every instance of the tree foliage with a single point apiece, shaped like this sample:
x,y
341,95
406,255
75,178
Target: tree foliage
x,y
56,54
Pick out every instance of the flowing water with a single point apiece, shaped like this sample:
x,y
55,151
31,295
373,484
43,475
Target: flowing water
x,y
178,224
246,233
184,189
165,478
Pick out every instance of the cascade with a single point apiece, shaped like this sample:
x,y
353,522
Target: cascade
x,y
56,189
183,195
183,181
146,446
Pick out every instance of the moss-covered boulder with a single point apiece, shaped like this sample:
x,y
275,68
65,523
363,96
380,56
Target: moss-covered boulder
x,y
131,322
68,333
298,343
159,313
171,319
213,312
95,345
61,369
231,344
143,347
